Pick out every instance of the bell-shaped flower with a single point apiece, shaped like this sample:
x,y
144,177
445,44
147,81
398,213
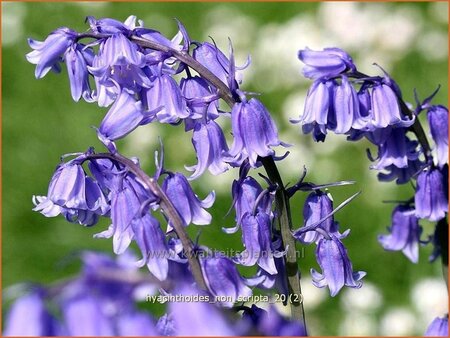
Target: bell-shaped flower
x,y
337,270
77,59
327,63
118,65
257,239
438,327
211,148
165,98
111,26
125,115
254,132
318,107
186,202
397,149
346,107
214,60
438,121
404,233
28,316
431,198
386,109
47,54
152,243
245,192
202,102
125,206
223,279
318,205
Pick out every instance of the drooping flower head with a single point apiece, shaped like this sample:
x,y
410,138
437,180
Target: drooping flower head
x,y
438,120
438,327
186,202
254,132
47,54
327,63
404,233
337,270
431,198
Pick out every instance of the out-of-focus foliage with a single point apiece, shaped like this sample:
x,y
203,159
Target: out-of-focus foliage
x,y
41,122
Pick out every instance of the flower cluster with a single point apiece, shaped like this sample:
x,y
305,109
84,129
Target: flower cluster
x,y
345,101
101,301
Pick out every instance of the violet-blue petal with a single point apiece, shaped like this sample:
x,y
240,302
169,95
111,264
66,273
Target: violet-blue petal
x,y
188,205
210,146
386,108
84,316
223,279
336,267
212,58
135,324
346,106
404,233
165,97
327,63
254,132
152,243
47,54
28,316
189,317
122,118
78,73
438,327
431,198
438,121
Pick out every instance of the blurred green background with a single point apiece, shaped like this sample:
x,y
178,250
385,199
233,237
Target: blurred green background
x,y
41,122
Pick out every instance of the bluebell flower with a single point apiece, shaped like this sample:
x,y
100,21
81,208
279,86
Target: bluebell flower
x,y
165,98
152,243
318,205
245,192
318,107
211,148
404,233
28,316
385,109
327,63
254,132
257,239
111,26
125,115
431,198
166,325
214,60
438,327
77,58
438,121
47,54
188,205
346,107
118,64
337,270
125,206
396,149
223,279
72,193
202,102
